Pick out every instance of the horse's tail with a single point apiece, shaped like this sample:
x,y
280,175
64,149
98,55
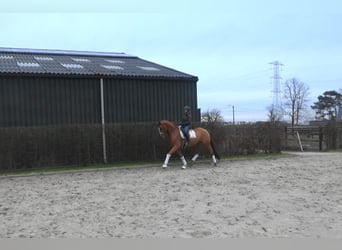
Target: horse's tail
x,y
213,147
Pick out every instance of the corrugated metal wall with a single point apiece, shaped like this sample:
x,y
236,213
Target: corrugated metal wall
x,y
134,100
38,101
34,101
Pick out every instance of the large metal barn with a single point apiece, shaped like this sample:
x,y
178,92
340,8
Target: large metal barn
x,y
44,87
75,108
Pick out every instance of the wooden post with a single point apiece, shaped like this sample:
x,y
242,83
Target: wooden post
x,y
320,138
300,143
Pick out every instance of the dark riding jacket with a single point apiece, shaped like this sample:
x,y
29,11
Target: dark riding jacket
x,y
186,119
186,124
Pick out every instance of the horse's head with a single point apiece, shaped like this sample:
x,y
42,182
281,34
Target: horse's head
x,y
166,127
162,129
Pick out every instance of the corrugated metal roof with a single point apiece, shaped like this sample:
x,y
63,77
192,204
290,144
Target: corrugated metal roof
x,y
82,63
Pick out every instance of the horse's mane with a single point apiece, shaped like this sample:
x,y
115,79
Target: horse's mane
x,y
167,123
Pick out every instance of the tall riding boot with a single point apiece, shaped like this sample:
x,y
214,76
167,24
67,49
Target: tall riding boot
x,y
186,141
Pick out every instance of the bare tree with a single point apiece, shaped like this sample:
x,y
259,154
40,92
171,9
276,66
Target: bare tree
x,y
273,114
295,95
212,116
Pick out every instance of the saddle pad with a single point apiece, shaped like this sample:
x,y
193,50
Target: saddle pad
x,y
192,133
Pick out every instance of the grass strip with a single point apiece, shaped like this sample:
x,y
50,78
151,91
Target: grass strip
x,y
124,165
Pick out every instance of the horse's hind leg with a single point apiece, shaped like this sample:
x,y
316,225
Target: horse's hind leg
x,y
214,159
211,150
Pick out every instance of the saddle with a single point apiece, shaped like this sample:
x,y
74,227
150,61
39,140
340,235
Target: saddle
x,y
192,133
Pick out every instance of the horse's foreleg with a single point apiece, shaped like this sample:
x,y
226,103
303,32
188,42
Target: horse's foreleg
x,y
168,155
167,158
182,159
194,158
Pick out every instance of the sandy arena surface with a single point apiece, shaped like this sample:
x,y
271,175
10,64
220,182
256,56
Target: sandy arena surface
x,y
299,195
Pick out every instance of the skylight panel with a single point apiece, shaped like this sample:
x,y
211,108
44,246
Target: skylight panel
x,y
115,61
80,59
112,67
6,57
43,58
72,66
28,64
148,68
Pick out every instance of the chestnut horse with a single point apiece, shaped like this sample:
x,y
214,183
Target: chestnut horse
x,y
202,137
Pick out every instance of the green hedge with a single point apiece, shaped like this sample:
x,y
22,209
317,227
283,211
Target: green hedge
x,y
38,147
248,138
66,145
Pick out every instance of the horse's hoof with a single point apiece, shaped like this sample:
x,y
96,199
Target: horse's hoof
x,y
164,166
183,167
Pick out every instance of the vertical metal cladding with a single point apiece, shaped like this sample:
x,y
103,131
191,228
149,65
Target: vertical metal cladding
x,y
142,100
36,101
39,101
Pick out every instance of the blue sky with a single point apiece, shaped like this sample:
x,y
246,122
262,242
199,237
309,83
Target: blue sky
x,y
227,44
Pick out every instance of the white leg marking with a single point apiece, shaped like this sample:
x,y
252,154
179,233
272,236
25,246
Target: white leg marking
x,y
167,158
195,157
184,162
214,159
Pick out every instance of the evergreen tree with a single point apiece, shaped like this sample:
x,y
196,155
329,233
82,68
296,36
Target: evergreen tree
x,y
328,105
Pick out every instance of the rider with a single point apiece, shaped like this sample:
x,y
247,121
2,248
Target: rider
x,y
186,124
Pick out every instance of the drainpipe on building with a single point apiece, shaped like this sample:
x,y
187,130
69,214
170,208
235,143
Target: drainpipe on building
x,y
103,123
